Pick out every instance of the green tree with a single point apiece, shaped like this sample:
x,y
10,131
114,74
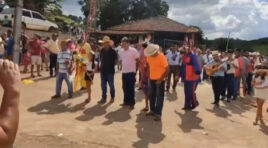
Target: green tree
x,y
36,5
141,9
115,12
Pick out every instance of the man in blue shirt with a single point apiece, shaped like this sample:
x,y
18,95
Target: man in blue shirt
x,y
217,78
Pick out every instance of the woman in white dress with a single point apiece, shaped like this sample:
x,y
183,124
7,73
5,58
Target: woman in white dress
x,y
260,83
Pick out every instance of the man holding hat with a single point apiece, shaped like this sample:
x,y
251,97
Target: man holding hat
x,y
158,67
53,47
130,59
217,78
109,59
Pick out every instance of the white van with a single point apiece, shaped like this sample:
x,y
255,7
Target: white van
x,y
30,20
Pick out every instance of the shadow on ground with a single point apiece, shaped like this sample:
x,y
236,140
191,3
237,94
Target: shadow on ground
x,y
148,132
57,106
219,112
264,128
120,115
95,111
239,106
189,121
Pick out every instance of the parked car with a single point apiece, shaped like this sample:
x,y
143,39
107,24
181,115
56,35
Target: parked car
x,y
30,20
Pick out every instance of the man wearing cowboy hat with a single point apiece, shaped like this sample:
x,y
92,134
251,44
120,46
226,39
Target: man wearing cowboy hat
x,y
53,47
158,67
108,58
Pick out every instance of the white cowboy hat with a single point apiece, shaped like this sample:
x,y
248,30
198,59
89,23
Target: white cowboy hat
x,y
151,50
105,40
215,53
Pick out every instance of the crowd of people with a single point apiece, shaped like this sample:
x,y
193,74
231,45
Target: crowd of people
x,y
76,63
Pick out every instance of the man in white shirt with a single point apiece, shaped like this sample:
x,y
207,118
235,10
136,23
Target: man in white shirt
x,y
53,47
130,59
173,58
207,58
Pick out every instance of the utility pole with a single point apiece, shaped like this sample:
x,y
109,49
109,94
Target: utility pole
x,y
227,46
17,31
92,16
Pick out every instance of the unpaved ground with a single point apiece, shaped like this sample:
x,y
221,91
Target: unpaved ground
x,y
68,123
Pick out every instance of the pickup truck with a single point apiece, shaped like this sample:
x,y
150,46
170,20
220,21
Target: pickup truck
x,y
30,20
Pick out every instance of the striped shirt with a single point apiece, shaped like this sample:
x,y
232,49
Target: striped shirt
x,y
63,57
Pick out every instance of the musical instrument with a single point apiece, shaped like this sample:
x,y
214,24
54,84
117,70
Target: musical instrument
x,y
212,69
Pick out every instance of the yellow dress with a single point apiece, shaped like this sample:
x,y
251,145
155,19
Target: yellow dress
x,y
82,60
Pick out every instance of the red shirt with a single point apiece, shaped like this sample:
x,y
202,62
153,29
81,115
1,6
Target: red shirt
x,y
35,47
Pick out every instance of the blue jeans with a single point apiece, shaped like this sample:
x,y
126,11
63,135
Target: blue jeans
x,y
1,56
107,78
60,78
237,82
156,96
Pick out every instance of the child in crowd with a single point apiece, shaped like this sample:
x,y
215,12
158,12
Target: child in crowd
x,y
89,75
72,66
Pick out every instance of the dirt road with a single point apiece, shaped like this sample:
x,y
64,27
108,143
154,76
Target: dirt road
x,y
69,123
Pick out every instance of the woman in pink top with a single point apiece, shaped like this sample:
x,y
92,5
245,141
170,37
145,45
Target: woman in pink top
x,y
143,67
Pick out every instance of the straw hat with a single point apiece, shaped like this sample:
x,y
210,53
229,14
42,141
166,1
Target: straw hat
x,y
214,53
151,49
105,40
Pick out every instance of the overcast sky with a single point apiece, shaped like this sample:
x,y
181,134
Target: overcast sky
x,y
245,19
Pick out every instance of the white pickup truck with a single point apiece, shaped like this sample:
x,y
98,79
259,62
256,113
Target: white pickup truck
x,y
30,20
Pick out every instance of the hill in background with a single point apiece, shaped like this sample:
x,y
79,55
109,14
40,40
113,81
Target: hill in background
x,y
260,45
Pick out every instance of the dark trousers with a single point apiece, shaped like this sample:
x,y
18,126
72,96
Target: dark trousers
x,y
190,95
249,83
53,63
230,85
129,88
156,96
217,83
205,76
173,70
224,87
107,78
